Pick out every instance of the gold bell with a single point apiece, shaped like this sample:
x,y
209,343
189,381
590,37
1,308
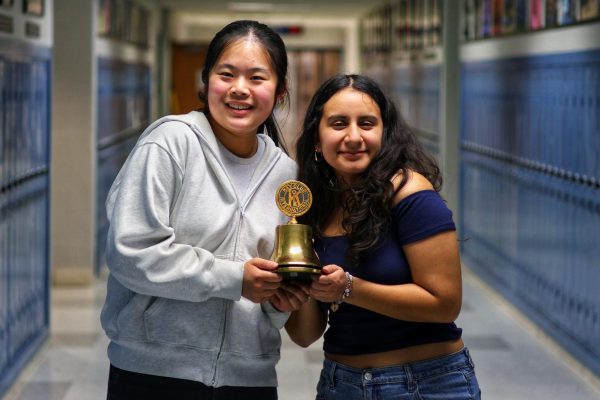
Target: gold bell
x,y
294,252
293,249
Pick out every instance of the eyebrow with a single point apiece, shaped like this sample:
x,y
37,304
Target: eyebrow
x,y
343,116
255,69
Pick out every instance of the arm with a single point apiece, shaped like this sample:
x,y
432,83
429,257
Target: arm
x,y
307,324
435,294
143,250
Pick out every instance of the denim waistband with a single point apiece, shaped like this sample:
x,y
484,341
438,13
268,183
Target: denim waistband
x,y
398,373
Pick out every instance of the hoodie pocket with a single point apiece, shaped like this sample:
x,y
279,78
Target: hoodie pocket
x,y
185,323
250,331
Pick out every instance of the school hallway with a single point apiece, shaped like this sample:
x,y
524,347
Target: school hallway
x,y
513,360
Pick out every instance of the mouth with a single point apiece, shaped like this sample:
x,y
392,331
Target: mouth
x,y
239,106
352,154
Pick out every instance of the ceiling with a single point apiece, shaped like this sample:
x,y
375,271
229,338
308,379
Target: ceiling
x,y
257,8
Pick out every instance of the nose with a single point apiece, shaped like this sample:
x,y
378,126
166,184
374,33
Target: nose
x,y
353,135
239,87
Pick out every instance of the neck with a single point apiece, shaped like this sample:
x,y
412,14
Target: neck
x,y
243,146
243,150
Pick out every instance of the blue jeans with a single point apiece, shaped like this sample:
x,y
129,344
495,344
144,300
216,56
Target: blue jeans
x,y
450,377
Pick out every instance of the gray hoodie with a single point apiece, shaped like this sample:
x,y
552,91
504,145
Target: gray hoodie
x,y
177,242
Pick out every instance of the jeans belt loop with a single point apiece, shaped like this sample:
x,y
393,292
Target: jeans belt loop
x,y
332,374
468,354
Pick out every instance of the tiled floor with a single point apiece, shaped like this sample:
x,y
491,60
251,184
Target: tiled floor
x,y
513,360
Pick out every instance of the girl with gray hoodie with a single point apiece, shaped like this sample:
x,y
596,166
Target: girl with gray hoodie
x,y
193,306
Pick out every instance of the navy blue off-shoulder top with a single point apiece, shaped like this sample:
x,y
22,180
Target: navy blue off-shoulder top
x,y
355,330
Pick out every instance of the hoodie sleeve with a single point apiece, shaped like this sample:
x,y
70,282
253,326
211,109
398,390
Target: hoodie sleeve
x,y
142,251
277,318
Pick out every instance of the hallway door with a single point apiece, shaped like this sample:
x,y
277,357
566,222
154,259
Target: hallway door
x,y
187,61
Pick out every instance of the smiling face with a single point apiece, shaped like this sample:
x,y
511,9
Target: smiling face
x,y
350,133
241,94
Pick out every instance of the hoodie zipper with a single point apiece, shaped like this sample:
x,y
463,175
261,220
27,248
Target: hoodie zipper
x,y
242,210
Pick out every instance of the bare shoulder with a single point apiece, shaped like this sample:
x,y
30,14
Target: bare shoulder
x,y
415,183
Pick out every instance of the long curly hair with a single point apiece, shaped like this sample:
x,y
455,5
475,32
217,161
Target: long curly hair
x,y
274,47
366,204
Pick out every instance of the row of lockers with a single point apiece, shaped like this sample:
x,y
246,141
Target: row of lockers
x,y
123,97
24,210
110,160
23,268
535,236
542,109
123,111
530,198
415,90
23,118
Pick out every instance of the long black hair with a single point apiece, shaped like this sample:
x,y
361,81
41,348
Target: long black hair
x,y
367,202
275,48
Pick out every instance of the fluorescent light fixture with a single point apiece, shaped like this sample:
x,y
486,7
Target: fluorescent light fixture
x,y
266,7
251,7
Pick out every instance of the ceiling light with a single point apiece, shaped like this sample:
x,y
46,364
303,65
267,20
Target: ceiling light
x,y
265,7
251,7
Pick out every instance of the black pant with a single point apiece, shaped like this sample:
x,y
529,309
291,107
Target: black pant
x,y
127,385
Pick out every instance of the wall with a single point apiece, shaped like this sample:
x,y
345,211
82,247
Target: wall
x,y
73,135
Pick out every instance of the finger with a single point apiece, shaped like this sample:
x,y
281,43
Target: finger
x,y
264,277
298,297
263,264
273,280
329,269
324,295
325,284
269,297
295,289
314,292
294,298
276,298
337,278
302,287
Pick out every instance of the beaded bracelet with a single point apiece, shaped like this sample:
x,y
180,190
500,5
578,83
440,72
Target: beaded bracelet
x,y
347,290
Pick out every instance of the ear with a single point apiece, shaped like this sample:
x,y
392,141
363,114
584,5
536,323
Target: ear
x,y
281,95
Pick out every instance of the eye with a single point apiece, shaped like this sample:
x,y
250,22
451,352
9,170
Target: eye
x,y
258,78
367,123
337,121
339,124
225,74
